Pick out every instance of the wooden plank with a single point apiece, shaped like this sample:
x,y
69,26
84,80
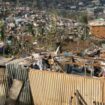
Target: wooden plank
x,y
15,89
82,64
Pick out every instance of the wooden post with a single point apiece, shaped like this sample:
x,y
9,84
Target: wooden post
x,y
70,101
80,99
94,103
85,69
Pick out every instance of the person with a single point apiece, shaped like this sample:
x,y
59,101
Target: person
x,y
35,66
40,64
98,53
98,70
58,44
102,69
45,62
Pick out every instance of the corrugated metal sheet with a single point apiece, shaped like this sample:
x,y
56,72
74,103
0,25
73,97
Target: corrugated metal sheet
x,y
98,31
99,103
103,89
16,70
50,88
3,89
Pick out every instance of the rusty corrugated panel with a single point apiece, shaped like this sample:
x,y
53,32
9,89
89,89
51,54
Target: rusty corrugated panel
x,y
98,31
50,88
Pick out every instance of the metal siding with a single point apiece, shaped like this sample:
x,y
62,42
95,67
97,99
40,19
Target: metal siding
x,y
103,88
19,72
49,88
3,89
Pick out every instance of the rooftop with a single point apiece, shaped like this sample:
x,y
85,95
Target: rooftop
x,y
97,22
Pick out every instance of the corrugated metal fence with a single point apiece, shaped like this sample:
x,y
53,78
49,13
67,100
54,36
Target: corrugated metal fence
x,y
3,89
50,88
99,103
16,70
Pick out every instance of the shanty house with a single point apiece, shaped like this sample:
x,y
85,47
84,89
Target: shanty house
x,y
97,28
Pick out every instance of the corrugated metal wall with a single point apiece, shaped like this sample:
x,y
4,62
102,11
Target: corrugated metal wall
x,y
16,70
3,89
49,88
99,103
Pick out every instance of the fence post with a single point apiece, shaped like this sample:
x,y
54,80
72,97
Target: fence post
x,y
70,101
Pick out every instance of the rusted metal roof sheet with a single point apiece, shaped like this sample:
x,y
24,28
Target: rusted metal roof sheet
x,y
98,31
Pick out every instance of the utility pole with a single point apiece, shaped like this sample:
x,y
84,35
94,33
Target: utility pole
x,y
37,3
1,1
17,2
46,3
33,3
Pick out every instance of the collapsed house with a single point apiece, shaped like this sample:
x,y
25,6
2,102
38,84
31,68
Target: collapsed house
x,y
25,85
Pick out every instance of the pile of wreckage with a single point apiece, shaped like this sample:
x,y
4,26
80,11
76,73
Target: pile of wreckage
x,y
20,77
15,84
